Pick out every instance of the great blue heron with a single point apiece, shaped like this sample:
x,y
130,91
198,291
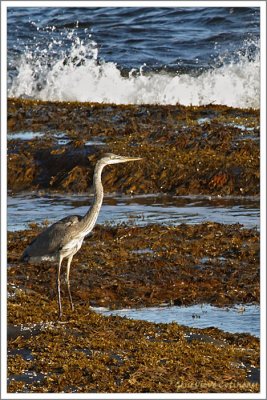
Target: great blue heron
x,y
64,238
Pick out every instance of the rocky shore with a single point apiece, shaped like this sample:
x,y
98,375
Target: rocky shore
x,y
211,150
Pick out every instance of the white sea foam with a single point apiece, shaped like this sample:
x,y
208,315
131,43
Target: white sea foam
x,y
79,75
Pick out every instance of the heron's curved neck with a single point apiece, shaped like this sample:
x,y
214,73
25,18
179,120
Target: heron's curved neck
x,y
90,217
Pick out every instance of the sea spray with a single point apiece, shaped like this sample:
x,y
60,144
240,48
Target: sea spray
x,y
55,72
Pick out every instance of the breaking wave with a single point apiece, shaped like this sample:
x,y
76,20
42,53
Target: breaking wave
x,y
78,74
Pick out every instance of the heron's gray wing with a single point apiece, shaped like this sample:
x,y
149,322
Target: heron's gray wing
x,y
51,240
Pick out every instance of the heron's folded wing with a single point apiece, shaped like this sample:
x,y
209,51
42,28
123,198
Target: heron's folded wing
x,y
52,239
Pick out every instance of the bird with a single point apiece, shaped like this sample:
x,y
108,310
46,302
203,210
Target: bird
x,y
64,238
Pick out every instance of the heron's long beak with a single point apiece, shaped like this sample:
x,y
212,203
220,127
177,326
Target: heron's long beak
x,y
133,158
122,159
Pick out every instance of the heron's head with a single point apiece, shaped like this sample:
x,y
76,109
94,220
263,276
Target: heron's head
x,y
110,158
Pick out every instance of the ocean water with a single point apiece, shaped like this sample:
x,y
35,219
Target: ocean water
x,y
138,210
237,319
135,55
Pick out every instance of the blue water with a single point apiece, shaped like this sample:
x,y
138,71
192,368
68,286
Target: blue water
x,y
135,54
140,210
160,37
238,319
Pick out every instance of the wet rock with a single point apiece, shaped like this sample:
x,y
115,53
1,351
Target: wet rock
x,y
181,155
187,264
88,352
24,171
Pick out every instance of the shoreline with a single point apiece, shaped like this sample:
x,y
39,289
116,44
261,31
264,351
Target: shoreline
x,y
209,150
88,352
206,151
135,266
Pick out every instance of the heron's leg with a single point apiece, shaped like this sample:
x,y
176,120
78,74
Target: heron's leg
x,y
68,281
58,287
